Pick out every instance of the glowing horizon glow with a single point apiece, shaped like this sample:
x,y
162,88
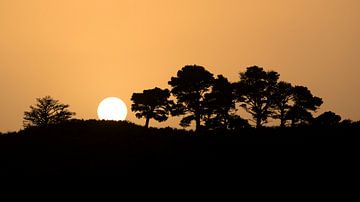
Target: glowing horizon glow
x,y
112,109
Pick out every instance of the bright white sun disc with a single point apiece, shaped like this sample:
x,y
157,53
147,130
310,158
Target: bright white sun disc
x,y
112,109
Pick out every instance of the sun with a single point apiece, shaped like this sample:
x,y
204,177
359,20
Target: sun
x,y
112,109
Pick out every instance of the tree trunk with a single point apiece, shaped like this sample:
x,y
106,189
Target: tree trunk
x,y
197,114
282,119
197,117
258,122
147,122
282,124
292,123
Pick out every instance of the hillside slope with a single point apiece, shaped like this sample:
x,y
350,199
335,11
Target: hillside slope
x,y
122,148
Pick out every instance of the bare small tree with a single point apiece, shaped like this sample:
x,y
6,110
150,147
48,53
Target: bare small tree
x,y
47,111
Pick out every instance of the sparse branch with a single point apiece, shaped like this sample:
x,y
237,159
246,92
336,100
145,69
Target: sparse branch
x,y
47,111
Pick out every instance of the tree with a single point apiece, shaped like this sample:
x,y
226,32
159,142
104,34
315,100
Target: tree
x,y
255,90
328,119
47,111
304,103
152,104
356,124
347,123
299,115
189,87
282,96
238,123
220,104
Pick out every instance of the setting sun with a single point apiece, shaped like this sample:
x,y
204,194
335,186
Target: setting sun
x,y
112,109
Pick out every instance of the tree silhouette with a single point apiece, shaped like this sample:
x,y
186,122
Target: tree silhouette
x,y
304,103
255,90
47,111
236,123
281,99
347,123
152,104
328,119
189,87
220,104
356,124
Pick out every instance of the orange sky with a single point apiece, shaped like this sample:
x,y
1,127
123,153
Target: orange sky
x,y
80,51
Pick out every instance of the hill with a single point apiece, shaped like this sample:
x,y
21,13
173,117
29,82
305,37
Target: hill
x,y
122,148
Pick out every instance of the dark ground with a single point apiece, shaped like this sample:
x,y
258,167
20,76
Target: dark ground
x,y
113,148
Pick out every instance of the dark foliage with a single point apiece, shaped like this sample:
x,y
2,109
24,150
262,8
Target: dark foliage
x,y
255,90
220,106
47,111
304,103
281,98
346,123
328,119
152,104
190,87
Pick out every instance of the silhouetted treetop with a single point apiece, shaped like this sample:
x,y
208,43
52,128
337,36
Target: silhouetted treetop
x,y
220,106
47,111
221,99
152,104
304,98
282,96
212,101
328,119
189,88
255,90
347,123
191,80
304,103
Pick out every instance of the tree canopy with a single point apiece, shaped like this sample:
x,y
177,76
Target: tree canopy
x,y
255,90
328,118
152,104
189,87
304,103
220,106
47,111
212,102
283,94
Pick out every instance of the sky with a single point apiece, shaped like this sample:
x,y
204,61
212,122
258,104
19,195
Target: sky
x,y
81,51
